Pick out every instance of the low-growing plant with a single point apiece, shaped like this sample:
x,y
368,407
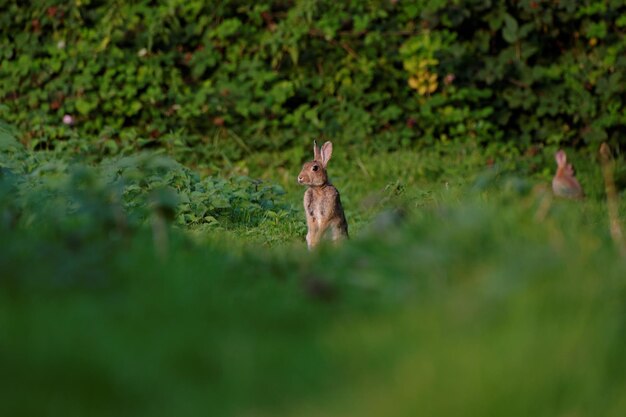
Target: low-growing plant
x,y
121,193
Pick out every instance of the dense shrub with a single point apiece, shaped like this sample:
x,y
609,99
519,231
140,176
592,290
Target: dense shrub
x,y
67,198
247,76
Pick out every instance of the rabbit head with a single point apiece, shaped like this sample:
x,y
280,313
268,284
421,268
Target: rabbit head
x,y
313,173
561,162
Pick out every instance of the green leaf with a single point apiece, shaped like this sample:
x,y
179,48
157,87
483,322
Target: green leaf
x,y
597,30
510,31
227,28
134,107
83,106
8,141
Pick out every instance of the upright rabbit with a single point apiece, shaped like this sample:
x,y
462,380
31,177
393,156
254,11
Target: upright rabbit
x,y
564,184
322,204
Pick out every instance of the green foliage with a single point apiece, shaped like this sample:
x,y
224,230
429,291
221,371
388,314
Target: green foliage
x,y
231,78
131,284
459,297
122,193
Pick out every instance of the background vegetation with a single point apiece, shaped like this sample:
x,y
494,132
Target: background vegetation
x,y
152,256
229,78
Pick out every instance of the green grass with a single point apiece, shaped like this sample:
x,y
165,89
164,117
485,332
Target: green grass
x,y
465,290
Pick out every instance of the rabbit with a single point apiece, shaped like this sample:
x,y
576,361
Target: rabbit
x,y
322,204
564,184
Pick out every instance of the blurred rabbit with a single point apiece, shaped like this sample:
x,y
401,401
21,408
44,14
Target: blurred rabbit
x,y
564,184
322,204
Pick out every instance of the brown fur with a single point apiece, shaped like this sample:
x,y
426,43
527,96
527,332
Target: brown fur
x,y
564,183
322,204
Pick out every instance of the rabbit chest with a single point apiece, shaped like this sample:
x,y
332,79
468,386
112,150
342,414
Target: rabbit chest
x,y
319,203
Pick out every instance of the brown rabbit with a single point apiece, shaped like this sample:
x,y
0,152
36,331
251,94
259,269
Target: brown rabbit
x,y
322,204
564,183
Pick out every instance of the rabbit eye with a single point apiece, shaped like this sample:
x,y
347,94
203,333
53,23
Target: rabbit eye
x,y
315,167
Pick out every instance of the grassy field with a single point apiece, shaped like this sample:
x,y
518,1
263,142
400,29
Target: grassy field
x,y
466,289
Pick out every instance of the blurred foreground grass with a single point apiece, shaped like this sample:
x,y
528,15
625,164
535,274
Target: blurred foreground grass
x,y
462,292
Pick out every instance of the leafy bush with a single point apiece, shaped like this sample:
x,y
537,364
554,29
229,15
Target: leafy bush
x,y
120,194
229,78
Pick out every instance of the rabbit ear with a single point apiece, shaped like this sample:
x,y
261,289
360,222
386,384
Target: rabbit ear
x,y
316,152
327,152
561,159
